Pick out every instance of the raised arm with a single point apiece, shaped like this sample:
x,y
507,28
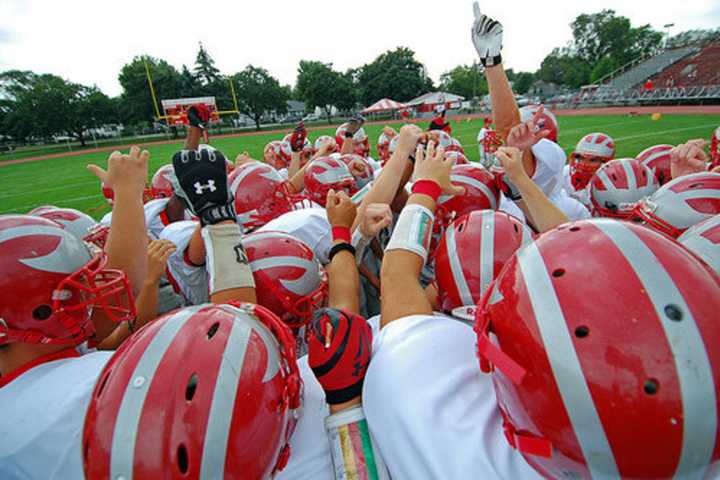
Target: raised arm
x,y
343,279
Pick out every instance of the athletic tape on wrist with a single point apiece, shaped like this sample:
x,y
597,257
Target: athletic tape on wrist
x,y
413,231
225,259
360,242
427,187
352,448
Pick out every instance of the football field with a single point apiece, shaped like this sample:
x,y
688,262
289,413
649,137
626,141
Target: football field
x,y
65,182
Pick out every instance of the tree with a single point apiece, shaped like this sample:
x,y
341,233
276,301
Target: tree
x,y
321,86
464,80
523,81
137,103
205,70
563,68
258,92
395,74
189,84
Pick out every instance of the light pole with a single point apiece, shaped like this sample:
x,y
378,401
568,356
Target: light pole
x,y
667,28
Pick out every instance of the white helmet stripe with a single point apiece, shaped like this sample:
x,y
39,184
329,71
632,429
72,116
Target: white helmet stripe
x,y
692,365
456,268
126,424
602,175
632,182
217,432
487,242
566,366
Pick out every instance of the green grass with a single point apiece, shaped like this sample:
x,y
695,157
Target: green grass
x,y
66,183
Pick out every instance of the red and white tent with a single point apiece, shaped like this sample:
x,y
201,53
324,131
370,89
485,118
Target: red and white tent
x,y
383,105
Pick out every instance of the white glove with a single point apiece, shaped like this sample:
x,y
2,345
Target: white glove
x,y
487,37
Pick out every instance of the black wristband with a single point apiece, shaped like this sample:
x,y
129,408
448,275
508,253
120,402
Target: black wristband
x,y
337,248
349,134
217,214
491,61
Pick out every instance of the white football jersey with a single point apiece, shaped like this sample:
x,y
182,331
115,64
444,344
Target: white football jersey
x,y
550,159
582,196
155,217
309,225
191,281
43,412
432,412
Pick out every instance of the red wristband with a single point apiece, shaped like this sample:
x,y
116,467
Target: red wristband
x,y
427,187
341,233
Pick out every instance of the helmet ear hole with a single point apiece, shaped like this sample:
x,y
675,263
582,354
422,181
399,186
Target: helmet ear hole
x,y
183,462
43,312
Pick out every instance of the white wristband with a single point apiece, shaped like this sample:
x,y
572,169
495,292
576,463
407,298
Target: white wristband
x,y
413,231
225,259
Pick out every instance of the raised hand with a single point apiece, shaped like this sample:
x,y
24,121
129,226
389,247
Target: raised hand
x,y
198,116
688,158
341,210
374,218
524,135
158,253
434,166
298,137
125,171
486,35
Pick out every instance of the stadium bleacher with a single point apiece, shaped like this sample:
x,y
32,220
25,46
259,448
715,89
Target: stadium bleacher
x,y
650,67
700,69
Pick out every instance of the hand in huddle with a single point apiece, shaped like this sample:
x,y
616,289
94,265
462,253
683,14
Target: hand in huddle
x,y
158,253
434,166
524,135
374,218
341,210
688,158
124,171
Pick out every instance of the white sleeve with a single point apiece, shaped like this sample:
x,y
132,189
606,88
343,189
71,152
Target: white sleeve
x,y
550,160
189,280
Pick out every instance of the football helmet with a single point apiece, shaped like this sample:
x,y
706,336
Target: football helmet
x,y
361,144
681,203
52,282
488,143
703,239
481,193
278,154
657,159
324,174
359,168
42,208
383,148
547,120
604,342
307,146
323,139
471,254
161,185
591,152
618,185
455,146
209,391
289,279
260,194
83,226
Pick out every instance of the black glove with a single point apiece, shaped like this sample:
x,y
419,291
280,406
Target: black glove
x,y
202,184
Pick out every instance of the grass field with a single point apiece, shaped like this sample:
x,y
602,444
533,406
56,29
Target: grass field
x,y
66,183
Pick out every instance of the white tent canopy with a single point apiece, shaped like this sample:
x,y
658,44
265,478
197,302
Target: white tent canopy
x,y
383,105
435,98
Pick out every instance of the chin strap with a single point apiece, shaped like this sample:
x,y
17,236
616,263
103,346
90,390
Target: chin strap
x,y
524,442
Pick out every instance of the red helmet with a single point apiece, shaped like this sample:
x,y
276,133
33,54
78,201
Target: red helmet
x,y
615,377
289,279
488,143
547,120
109,193
361,144
618,185
682,203
703,239
471,254
715,149
324,174
442,139
590,153
161,185
209,391
307,146
455,146
322,139
42,208
481,193
361,165
52,282
260,194
458,157
657,159
83,226
279,153
383,148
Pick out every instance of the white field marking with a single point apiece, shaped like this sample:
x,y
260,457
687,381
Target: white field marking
x,y
67,201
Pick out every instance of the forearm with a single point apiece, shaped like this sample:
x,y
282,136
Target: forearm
x,y
544,214
294,164
343,282
192,141
384,188
347,146
127,241
504,107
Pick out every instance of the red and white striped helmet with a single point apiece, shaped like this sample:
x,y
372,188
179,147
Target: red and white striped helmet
x,y
324,174
481,193
307,145
471,254
278,154
657,159
703,240
455,146
441,139
260,193
323,139
618,185
682,203
74,221
458,157
209,391
359,168
289,279
591,152
616,377
383,148
161,185
547,120
715,149
361,144
488,143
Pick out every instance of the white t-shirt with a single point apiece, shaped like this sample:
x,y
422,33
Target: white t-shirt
x,y
309,225
43,412
310,456
431,411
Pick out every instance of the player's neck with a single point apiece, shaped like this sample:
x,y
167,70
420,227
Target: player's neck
x,y
15,355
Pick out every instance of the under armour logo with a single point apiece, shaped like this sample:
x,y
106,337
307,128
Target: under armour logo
x,y
199,187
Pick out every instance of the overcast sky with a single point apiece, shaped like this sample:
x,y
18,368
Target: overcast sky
x,y
88,41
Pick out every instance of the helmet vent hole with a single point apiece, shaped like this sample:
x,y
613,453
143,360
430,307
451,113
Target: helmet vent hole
x,y
558,273
574,229
182,459
673,312
695,185
614,177
191,387
461,227
582,331
651,386
42,312
213,330
516,228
